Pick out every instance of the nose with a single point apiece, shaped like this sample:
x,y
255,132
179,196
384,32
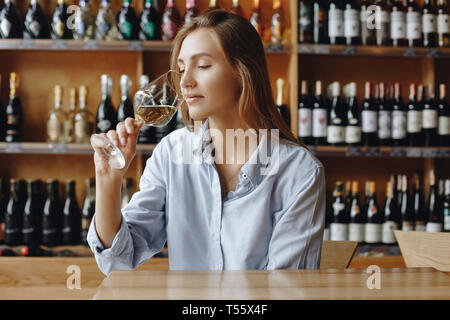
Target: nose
x,y
187,79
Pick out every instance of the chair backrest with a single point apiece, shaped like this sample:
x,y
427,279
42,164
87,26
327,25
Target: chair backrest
x,y
337,254
425,249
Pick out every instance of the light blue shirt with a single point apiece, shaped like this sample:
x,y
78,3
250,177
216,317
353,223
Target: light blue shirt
x,y
273,220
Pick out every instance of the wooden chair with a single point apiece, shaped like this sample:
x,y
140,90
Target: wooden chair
x,y
337,254
425,249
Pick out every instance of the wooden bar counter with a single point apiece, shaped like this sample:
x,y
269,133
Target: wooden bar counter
x,y
345,284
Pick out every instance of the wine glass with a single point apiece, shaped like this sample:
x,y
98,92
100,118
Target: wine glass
x,y
155,104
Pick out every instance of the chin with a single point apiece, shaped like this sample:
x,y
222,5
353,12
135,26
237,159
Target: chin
x,y
197,114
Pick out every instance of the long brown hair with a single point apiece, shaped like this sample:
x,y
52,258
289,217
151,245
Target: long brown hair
x,y
244,49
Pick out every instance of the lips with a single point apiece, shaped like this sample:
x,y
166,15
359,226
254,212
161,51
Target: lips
x,y
192,98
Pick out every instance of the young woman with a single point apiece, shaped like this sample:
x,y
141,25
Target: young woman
x,y
219,203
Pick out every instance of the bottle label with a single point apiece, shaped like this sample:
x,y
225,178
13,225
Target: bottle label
x,y
356,232
414,119
398,124
338,206
351,23
58,28
419,226
304,20
444,125
442,24
373,232
339,231
352,134
170,30
335,23
149,29
384,124
434,227
319,123
369,121
326,234
335,134
5,27
35,28
104,125
407,226
126,29
446,219
13,120
304,122
388,235
398,25
54,130
83,131
413,26
429,23
429,119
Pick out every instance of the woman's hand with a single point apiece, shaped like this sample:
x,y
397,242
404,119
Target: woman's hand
x,y
125,138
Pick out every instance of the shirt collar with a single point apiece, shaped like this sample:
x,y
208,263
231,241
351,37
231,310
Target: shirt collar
x,y
255,168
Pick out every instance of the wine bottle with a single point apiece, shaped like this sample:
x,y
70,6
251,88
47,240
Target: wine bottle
x,y
14,215
369,119
418,205
127,184
84,22
339,224
35,24
414,116
255,18
2,117
69,124
58,26
336,117
406,209
106,22
320,27
125,109
71,228
443,30
106,115
32,218
430,119
127,22
84,119
236,8
14,113
398,24
368,37
305,21
304,114
373,227
353,125
213,5
383,29
52,218
413,24
351,23
191,11
150,22
88,210
336,22
282,107
10,25
392,218
443,118
319,116
171,21
4,199
277,23
348,195
384,118
446,207
56,119
398,118
356,227
328,220
429,30
399,191
434,218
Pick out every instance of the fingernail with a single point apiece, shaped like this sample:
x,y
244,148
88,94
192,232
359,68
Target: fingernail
x,y
129,130
123,141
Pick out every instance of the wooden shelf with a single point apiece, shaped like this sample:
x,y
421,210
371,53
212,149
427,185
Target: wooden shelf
x,y
49,148
374,51
101,45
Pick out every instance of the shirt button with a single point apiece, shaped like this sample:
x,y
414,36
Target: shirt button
x,y
245,176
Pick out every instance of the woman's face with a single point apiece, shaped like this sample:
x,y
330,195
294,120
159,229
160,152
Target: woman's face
x,y
209,83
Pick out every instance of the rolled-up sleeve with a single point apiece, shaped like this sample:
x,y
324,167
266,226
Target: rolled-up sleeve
x,y
142,232
296,241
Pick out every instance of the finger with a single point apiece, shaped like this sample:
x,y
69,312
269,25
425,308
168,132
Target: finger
x,y
122,133
112,135
129,125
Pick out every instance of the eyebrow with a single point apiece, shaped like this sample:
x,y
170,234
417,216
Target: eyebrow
x,y
196,56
